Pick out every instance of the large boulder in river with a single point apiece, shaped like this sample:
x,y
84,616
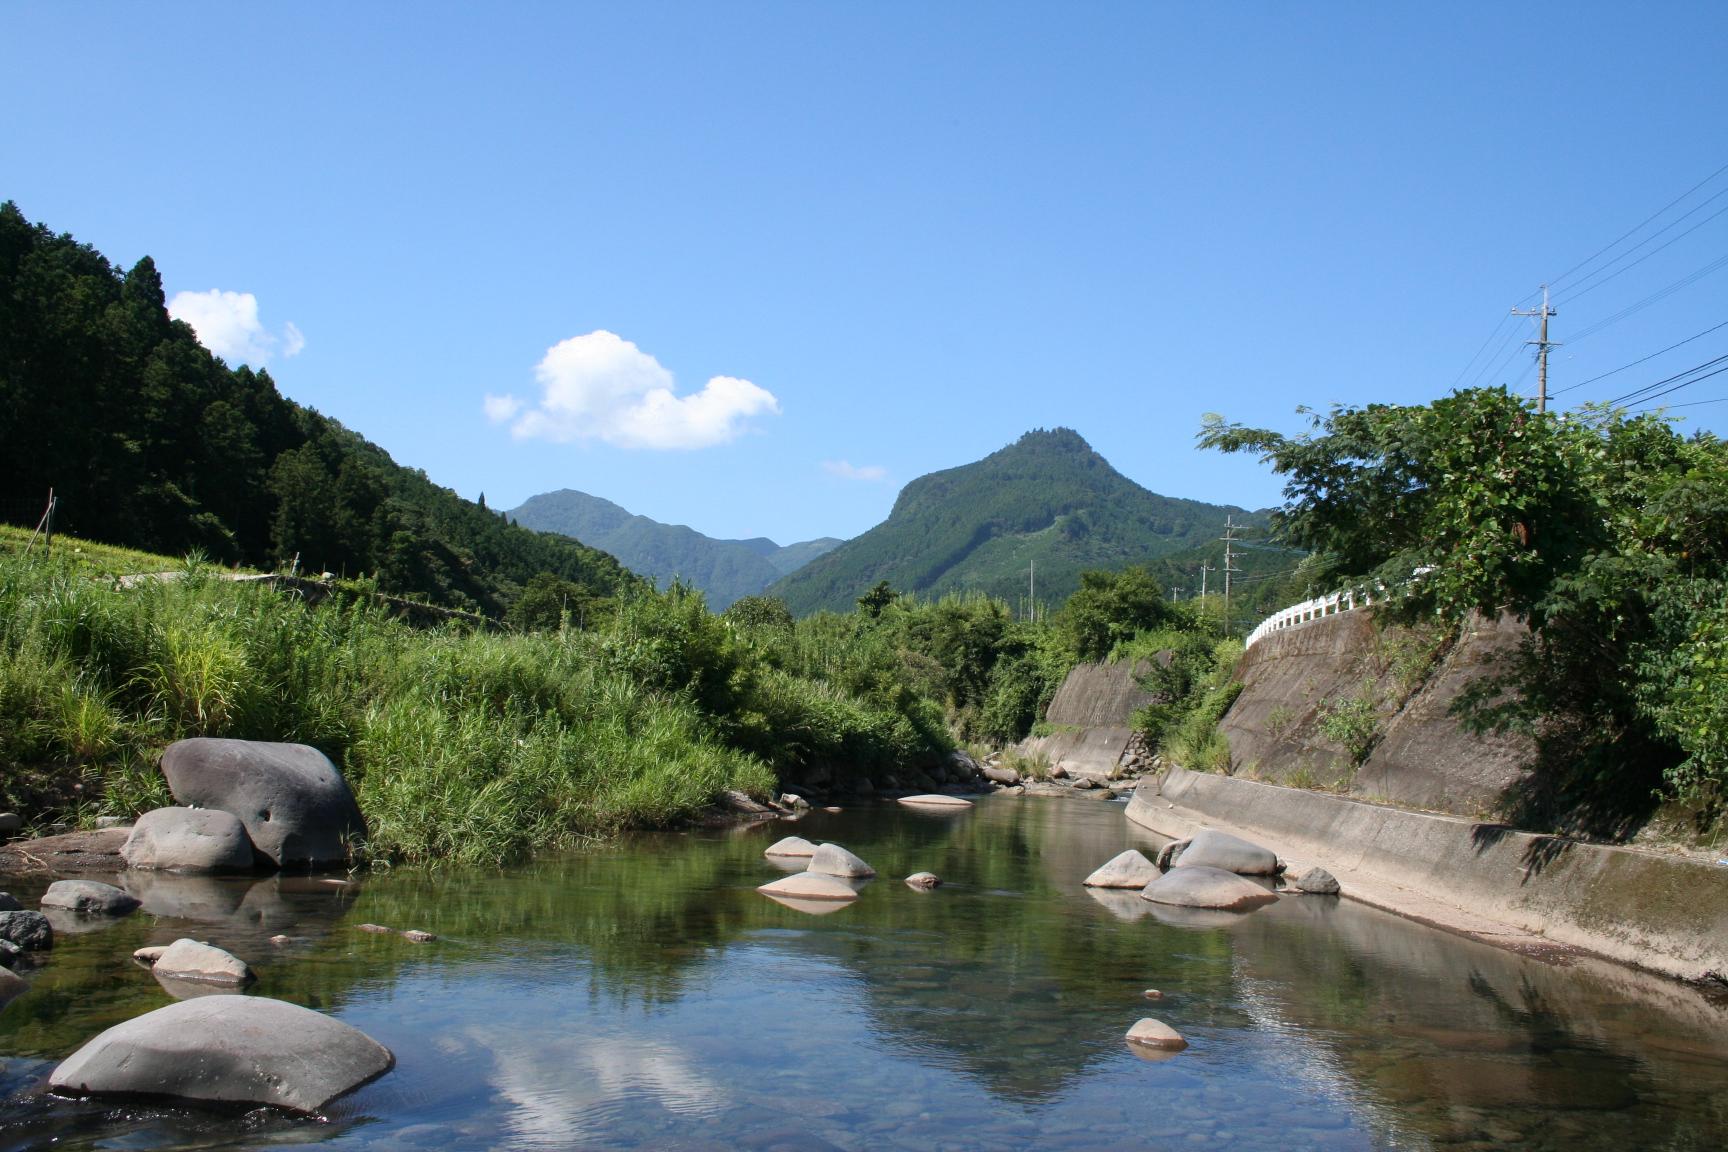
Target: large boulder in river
x,y
810,886
192,840
227,1049
89,898
1129,869
833,860
792,847
1202,887
296,807
30,931
1213,849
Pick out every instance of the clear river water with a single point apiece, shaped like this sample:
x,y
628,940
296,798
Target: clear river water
x,y
644,995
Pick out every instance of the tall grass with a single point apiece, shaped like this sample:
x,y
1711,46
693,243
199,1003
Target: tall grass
x,y
458,745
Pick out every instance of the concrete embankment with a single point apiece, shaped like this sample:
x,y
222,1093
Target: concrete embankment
x,y
1533,893
1092,720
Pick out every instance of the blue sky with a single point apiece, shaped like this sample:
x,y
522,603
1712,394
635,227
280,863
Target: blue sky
x,y
752,267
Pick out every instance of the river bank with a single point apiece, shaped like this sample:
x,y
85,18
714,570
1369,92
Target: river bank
x,y
1540,895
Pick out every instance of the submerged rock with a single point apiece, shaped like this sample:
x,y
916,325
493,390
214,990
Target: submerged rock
x,y
810,886
1202,887
1129,869
239,1049
923,880
189,840
1150,1033
30,931
296,807
187,959
12,986
88,898
794,846
936,800
833,860
1210,848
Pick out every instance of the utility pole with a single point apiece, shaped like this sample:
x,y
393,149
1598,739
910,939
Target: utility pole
x,y
1204,568
1542,345
1229,538
1032,590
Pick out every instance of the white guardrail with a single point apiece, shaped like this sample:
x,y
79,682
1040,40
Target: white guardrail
x,y
1307,610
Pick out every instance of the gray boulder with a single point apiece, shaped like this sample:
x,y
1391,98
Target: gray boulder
x,y
923,881
233,1049
30,931
88,898
10,822
1129,869
1318,882
1213,849
9,954
1198,886
1156,1035
12,986
9,904
791,846
1000,775
935,801
296,807
187,959
833,860
189,840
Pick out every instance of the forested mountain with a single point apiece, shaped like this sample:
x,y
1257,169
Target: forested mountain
x,y
150,441
1047,498
725,570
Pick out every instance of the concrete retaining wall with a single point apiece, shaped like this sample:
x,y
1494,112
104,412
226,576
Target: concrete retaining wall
x,y
1091,712
1664,913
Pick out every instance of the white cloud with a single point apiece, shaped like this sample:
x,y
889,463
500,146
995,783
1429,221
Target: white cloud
x,y
227,324
500,408
602,387
850,471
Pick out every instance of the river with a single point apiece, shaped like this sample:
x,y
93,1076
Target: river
x,y
644,995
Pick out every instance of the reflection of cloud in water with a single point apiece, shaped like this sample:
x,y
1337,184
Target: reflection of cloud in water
x,y
565,1087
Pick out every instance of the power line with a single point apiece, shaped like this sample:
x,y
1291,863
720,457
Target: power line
x,y
1654,297
1639,395
1685,384
1584,291
1695,403
1558,280
1640,360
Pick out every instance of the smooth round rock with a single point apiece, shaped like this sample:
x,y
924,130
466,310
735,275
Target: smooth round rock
x,y
1128,869
1318,882
238,1049
296,807
1153,994
187,959
924,881
193,840
936,800
794,846
10,822
1150,1033
30,931
88,898
810,886
1200,887
1213,849
833,860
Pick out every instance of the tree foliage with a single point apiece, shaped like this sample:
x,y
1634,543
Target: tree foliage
x,y
1607,533
150,441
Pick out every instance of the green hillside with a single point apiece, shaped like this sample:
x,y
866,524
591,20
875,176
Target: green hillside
x,y
151,442
725,570
1047,499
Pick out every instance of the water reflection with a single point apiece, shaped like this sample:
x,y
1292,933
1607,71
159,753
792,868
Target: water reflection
x,y
646,996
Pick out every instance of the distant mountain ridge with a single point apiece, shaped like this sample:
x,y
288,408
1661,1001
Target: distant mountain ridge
x,y
725,570
1047,499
